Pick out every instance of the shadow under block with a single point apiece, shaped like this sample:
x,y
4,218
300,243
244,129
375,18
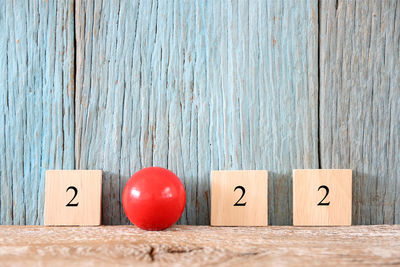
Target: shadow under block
x,y
239,198
73,197
322,197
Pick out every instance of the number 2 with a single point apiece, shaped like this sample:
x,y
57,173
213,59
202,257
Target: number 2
x,y
243,192
327,192
75,193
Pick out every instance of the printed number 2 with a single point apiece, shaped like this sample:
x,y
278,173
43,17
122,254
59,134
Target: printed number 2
x,y
243,192
327,192
75,193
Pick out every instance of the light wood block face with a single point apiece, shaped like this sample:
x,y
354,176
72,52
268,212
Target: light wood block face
x,y
322,197
73,197
239,198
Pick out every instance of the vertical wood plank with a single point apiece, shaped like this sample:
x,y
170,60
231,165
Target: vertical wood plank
x,y
197,86
36,102
360,102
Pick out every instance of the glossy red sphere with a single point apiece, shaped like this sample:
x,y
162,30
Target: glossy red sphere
x,y
154,198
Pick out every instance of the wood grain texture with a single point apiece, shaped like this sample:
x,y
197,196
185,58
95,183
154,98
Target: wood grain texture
x,y
360,102
200,246
197,86
36,102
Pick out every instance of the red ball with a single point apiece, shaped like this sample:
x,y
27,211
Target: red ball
x,y
154,198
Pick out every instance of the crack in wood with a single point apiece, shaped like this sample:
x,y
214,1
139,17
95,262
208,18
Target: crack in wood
x,y
179,251
152,253
248,254
156,251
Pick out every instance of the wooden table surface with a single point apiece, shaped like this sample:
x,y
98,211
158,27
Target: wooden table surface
x,y
200,245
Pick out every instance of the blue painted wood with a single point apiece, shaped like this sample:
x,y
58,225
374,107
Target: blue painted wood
x,y
360,102
196,86
36,103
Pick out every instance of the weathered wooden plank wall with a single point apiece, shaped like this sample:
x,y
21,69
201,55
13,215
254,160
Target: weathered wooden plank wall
x,y
195,86
36,102
360,102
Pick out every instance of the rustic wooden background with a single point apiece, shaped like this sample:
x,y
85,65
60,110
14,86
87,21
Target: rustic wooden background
x,y
196,86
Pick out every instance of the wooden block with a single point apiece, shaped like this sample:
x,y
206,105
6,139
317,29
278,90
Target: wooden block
x,y
239,198
73,197
322,197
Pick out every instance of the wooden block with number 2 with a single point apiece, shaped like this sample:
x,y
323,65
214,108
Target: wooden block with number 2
x,y
239,198
73,197
322,197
